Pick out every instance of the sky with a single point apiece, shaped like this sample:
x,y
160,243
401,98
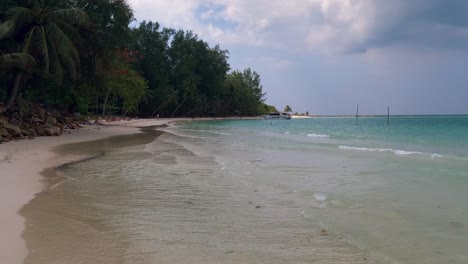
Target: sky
x,y
326,56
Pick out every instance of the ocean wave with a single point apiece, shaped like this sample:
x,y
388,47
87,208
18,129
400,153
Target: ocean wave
x,y
317,135
398,152
320,197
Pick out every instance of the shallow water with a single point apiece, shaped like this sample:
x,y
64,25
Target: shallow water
x,y
299,191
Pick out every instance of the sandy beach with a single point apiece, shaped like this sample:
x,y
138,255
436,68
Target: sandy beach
x,y
21,165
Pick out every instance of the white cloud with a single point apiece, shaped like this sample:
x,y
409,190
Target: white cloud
x,y
272,63
330,26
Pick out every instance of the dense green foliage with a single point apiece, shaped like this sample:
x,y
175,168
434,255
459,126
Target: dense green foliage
x,y
82,56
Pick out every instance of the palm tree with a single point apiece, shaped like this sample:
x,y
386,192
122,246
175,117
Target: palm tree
x,y
203,105
191,90
47,34
171,98
20,61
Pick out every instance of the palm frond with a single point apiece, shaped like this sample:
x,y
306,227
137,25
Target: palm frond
x,y
40,42
71,16
20,61
20,17
55,64
65,49
5,29
71,32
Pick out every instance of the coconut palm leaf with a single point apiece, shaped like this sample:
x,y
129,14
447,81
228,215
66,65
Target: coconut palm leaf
x,y
71,16
47,34
20,61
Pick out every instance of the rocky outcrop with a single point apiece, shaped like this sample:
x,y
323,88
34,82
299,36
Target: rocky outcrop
x,y
28,120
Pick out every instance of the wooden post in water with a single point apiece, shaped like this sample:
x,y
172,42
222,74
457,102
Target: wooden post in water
x,y
357,113
388,115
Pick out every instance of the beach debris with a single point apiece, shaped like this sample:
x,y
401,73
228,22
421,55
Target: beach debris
x,y
258,206
323,231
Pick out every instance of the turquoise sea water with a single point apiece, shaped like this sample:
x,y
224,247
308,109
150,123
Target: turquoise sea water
x,y
398,190
319,190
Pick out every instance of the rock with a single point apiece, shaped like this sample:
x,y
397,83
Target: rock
x,y
15,121
73,125
12,129
32,132
15,115
36,120
4,132
40,131
51,121
2,109
52,131
40,112
60,125
61,119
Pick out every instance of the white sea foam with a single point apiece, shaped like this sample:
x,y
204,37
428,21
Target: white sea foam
x,y
317,135
398,152
320,197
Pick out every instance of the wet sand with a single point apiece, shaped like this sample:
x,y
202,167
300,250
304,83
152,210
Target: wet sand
x,y
22,164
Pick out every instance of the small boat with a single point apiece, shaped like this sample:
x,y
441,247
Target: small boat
x,y
277,115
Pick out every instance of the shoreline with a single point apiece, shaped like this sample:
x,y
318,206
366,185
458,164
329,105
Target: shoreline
x,y
25,163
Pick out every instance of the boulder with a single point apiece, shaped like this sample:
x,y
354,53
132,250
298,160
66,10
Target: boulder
x,y
36,120
15,121
73,125
3,132
2,109
40,131
32,132
15,115
51,121
52,131
60,125
12,129
40,112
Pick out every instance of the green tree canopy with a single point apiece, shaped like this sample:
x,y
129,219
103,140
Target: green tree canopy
x,y
82,55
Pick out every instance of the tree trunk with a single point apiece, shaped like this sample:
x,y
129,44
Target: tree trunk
x,y
157,109
175,111
14,90
105,101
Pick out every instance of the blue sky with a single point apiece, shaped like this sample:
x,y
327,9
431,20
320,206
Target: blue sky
x,y
326,56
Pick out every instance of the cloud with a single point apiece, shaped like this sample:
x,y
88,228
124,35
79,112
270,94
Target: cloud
x,y
324,26
272,63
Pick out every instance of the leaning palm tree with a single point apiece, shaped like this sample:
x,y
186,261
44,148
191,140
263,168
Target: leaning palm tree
x,y
47,34
16,61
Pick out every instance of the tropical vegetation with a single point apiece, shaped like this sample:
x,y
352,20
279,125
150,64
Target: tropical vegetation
x,y
82,56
